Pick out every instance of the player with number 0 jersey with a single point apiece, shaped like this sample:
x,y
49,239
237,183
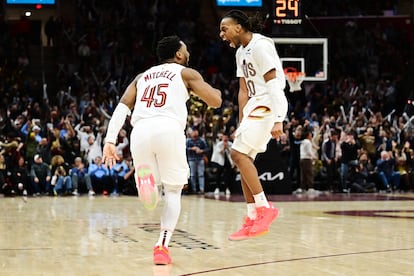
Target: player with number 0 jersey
x,y
262,106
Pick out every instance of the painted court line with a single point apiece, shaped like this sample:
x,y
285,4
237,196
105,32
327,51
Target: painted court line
x,y
296,259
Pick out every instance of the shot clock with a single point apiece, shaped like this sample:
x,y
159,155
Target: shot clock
x,y
287,12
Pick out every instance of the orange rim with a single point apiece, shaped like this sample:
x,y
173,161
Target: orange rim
x,y
292,73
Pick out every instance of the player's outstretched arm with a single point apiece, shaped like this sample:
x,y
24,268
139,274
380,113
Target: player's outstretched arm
x,y
130,94
195,82
122,110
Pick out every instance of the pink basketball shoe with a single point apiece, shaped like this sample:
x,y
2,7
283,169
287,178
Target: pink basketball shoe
x,y
147,188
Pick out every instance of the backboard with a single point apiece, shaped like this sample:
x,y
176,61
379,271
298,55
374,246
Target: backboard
x,y
309,55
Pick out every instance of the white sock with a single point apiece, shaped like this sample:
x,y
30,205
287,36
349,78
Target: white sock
x,y
251,210
260,200
170,213
164,239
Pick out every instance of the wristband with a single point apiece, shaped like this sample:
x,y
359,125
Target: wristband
x,y
280,103
116,122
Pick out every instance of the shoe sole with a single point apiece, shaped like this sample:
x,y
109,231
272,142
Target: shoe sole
x,y
161,262
248,237
238,238
147,189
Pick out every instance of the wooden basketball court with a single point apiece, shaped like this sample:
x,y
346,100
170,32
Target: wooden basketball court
x,y
370,234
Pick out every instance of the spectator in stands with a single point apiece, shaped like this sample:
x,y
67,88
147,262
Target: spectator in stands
x,y
118,172
83,133
43,149
388,177
367,140
55,146
100,177
61,179
34,132
11,150
349,159
20,177
79,174
5,184
402,158
31,138
40,176
196,151
284,147
410,166
363,176
130,187
295,138
93,149
69,143
307,157
330,154
123,142
384,143
223,164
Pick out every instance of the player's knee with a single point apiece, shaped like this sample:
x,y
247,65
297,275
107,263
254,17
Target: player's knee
x,y
234,155
237,156
173,188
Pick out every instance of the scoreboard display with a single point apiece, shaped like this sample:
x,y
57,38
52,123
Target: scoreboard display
x,y
30,2
287,12
239,3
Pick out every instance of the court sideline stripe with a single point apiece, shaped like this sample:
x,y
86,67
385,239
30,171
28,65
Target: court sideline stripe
x,y
297,259
25,249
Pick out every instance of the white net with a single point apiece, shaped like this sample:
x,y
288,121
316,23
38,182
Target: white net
x,y
295,79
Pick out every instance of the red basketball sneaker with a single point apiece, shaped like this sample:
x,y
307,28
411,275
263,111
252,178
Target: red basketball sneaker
x,y
161,255
264,217
244,231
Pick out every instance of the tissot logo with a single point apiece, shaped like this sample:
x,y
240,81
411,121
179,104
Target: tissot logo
x,y
268,176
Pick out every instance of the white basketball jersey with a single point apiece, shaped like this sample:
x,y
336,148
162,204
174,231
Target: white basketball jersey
x,y
161,92
255,60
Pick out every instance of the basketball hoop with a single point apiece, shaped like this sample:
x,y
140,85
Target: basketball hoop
x,y
294,78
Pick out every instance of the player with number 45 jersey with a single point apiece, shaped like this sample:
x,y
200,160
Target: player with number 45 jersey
x,y
158,98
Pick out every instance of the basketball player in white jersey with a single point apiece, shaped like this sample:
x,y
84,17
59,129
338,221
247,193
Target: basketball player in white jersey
x,y
158,98
263,107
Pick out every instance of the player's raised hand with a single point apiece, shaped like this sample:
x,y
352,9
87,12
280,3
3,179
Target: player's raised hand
x,y
109,155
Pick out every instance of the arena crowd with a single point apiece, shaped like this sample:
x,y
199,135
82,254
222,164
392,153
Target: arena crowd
x,y
359,121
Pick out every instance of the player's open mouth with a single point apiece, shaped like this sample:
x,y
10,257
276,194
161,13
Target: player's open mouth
x,y
231,44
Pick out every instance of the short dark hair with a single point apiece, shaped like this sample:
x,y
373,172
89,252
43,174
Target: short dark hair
x,y
249,23
306,132
167,47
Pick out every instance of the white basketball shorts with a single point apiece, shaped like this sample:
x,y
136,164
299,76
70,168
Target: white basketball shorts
x,y
160,143
253,134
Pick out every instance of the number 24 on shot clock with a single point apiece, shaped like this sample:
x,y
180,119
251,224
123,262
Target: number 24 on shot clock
x,y
287,12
